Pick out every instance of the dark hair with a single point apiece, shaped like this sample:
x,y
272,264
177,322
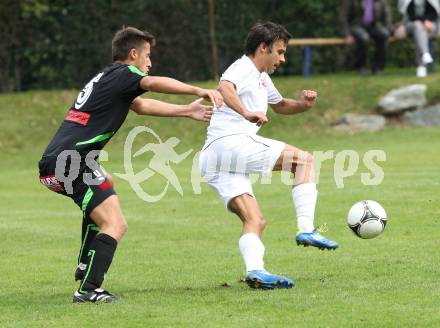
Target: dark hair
x,y
266,32
128,38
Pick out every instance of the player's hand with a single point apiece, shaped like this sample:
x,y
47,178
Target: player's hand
x,y
429,26
255,117
308,98
200,112
212,95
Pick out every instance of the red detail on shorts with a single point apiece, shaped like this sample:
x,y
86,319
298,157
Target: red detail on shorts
x,y
77,116
51,182
107,184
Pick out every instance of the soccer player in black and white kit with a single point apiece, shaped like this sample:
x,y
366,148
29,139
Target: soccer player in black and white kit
x,y
96,115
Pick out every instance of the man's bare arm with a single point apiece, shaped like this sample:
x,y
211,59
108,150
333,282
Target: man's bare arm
x,y
289,106
231,98
168,85
194,110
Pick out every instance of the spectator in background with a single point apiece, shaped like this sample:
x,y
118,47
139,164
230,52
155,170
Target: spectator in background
x,y
361,21
420,19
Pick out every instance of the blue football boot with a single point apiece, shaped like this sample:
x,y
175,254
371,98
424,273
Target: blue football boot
x,y
261,279
315,239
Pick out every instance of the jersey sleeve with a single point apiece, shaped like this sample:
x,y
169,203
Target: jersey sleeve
x,y
129,81
236,73
273,95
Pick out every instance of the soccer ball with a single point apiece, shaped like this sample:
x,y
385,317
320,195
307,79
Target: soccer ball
x,y
367,219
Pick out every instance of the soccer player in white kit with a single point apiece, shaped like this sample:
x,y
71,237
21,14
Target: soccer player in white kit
x,y
233,150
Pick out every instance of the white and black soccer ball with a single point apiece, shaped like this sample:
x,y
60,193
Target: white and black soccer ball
x,y
367,219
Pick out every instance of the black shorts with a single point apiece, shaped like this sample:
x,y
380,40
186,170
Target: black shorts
x,y
87,195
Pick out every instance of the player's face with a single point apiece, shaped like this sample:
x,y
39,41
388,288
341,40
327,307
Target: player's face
x,y
143,61
275,57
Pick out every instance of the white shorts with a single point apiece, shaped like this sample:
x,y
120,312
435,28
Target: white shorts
x,y
227,162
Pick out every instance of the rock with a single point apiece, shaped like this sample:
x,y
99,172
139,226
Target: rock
x,y
429,116
356,122
403,99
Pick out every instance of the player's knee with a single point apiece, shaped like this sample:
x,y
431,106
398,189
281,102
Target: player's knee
x,y
305,159
256,222
259,222
117,226
122,226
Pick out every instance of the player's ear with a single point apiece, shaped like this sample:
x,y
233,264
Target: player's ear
x,y
132,54
263,47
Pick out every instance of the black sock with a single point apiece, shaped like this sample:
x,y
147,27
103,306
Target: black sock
x,y
100,257
89,231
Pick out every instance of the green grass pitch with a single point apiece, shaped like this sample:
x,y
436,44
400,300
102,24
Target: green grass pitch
x,y
179,264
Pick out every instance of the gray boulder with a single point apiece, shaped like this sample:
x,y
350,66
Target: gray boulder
x,y
355,122
403,99
429,116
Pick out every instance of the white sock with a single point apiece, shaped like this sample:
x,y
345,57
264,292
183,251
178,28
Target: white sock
x,y
252,250
304,198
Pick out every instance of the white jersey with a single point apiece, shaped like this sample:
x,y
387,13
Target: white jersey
x,y
255,90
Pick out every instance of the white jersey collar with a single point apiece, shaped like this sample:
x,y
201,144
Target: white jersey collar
x,y
251,64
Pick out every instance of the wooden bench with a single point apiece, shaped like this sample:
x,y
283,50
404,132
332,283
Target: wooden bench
x,y
308,44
